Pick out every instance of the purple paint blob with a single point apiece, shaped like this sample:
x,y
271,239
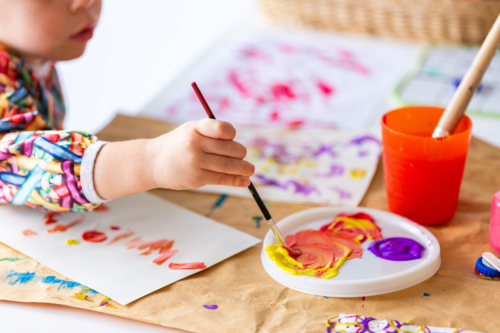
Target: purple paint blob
x,y
305,189
397,249
342,194
211,307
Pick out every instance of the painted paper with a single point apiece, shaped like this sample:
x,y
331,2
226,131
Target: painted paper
x,y
294,79
360,324
306,166
156,244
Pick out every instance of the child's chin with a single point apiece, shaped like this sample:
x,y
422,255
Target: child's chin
x,y
69,53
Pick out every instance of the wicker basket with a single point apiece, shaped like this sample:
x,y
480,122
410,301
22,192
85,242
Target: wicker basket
x,y
464,21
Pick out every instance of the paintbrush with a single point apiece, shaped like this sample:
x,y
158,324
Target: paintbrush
x,y
251,187
468,86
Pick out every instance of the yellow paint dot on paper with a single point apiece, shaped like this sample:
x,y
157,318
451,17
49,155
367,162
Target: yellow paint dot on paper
x,y
358,173
72,242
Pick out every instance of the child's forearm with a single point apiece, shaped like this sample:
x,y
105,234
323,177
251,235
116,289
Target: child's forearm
x,y
123,168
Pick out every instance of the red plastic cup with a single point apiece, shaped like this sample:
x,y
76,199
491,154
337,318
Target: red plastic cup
x,y
423,174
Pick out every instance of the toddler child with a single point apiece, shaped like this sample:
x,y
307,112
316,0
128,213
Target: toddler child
x,y
46,167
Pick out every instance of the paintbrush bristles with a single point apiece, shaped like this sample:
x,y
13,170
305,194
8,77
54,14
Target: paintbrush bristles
x,y
468,86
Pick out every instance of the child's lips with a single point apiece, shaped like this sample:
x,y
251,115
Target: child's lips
x,y
85,34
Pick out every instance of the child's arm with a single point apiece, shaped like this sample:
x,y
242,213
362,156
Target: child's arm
x,y
195,154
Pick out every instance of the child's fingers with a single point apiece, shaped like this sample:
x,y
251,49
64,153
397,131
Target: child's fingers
x,y
215,129
227,165
225,148
217,178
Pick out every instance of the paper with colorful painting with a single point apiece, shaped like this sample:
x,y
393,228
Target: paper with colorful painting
x,y
282,79
308,166
126,250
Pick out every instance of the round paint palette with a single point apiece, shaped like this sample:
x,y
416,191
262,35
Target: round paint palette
x,y
365,276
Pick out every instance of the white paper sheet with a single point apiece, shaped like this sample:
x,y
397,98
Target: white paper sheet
x,y
122,274
278,79
308,166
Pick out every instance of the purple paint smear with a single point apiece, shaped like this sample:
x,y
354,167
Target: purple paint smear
x,y
325,149
365,138
397,249
211,307
335,170
342,194
305,189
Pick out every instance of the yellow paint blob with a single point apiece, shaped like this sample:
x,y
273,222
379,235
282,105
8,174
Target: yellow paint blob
x,y
72,242
358,173
82,297
282,259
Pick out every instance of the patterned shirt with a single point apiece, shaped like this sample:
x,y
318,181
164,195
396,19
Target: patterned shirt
x,y
40,164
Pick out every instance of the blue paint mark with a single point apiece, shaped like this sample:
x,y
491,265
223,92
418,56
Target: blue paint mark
x,y
326,297
217,204
427,294
12,278
211,307
257,220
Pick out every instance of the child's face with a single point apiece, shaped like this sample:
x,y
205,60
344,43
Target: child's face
x,y
48,29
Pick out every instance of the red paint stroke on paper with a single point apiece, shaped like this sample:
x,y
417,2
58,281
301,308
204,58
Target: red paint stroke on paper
x,y
50,218
121,236
134,242
94,236
235,81
164,257
163,245
29,232
64,227
188,265
114,227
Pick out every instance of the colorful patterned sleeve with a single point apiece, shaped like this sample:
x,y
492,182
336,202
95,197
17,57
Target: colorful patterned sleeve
x,y
42,169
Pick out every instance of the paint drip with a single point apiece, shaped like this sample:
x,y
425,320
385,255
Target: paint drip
x,y
397,249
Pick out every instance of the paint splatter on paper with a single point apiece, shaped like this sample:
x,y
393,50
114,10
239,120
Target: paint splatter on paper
x,y
304,166
29,232
22,278
121,236
13,259
211,307
106,303
284,80
217,204
72,242
64,227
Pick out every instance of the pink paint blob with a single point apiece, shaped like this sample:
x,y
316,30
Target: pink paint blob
x,y
235,81
164,257
94,236
495,223
188,265
282,92
325,88
114,227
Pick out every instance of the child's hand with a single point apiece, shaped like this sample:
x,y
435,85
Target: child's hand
x,y
199,153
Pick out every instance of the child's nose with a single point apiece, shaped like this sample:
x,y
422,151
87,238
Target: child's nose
x,y
78,4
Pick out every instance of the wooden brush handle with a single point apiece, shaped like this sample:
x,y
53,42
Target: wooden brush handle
x,y
455,110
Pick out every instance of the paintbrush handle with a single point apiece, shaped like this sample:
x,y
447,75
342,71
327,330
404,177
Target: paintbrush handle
x,y
468,86
259,202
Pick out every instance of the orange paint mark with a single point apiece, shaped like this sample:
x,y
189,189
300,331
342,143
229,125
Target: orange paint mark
x,y
64,227
164,257
188,265
121,236
164,245
50,218
29,232
134,243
